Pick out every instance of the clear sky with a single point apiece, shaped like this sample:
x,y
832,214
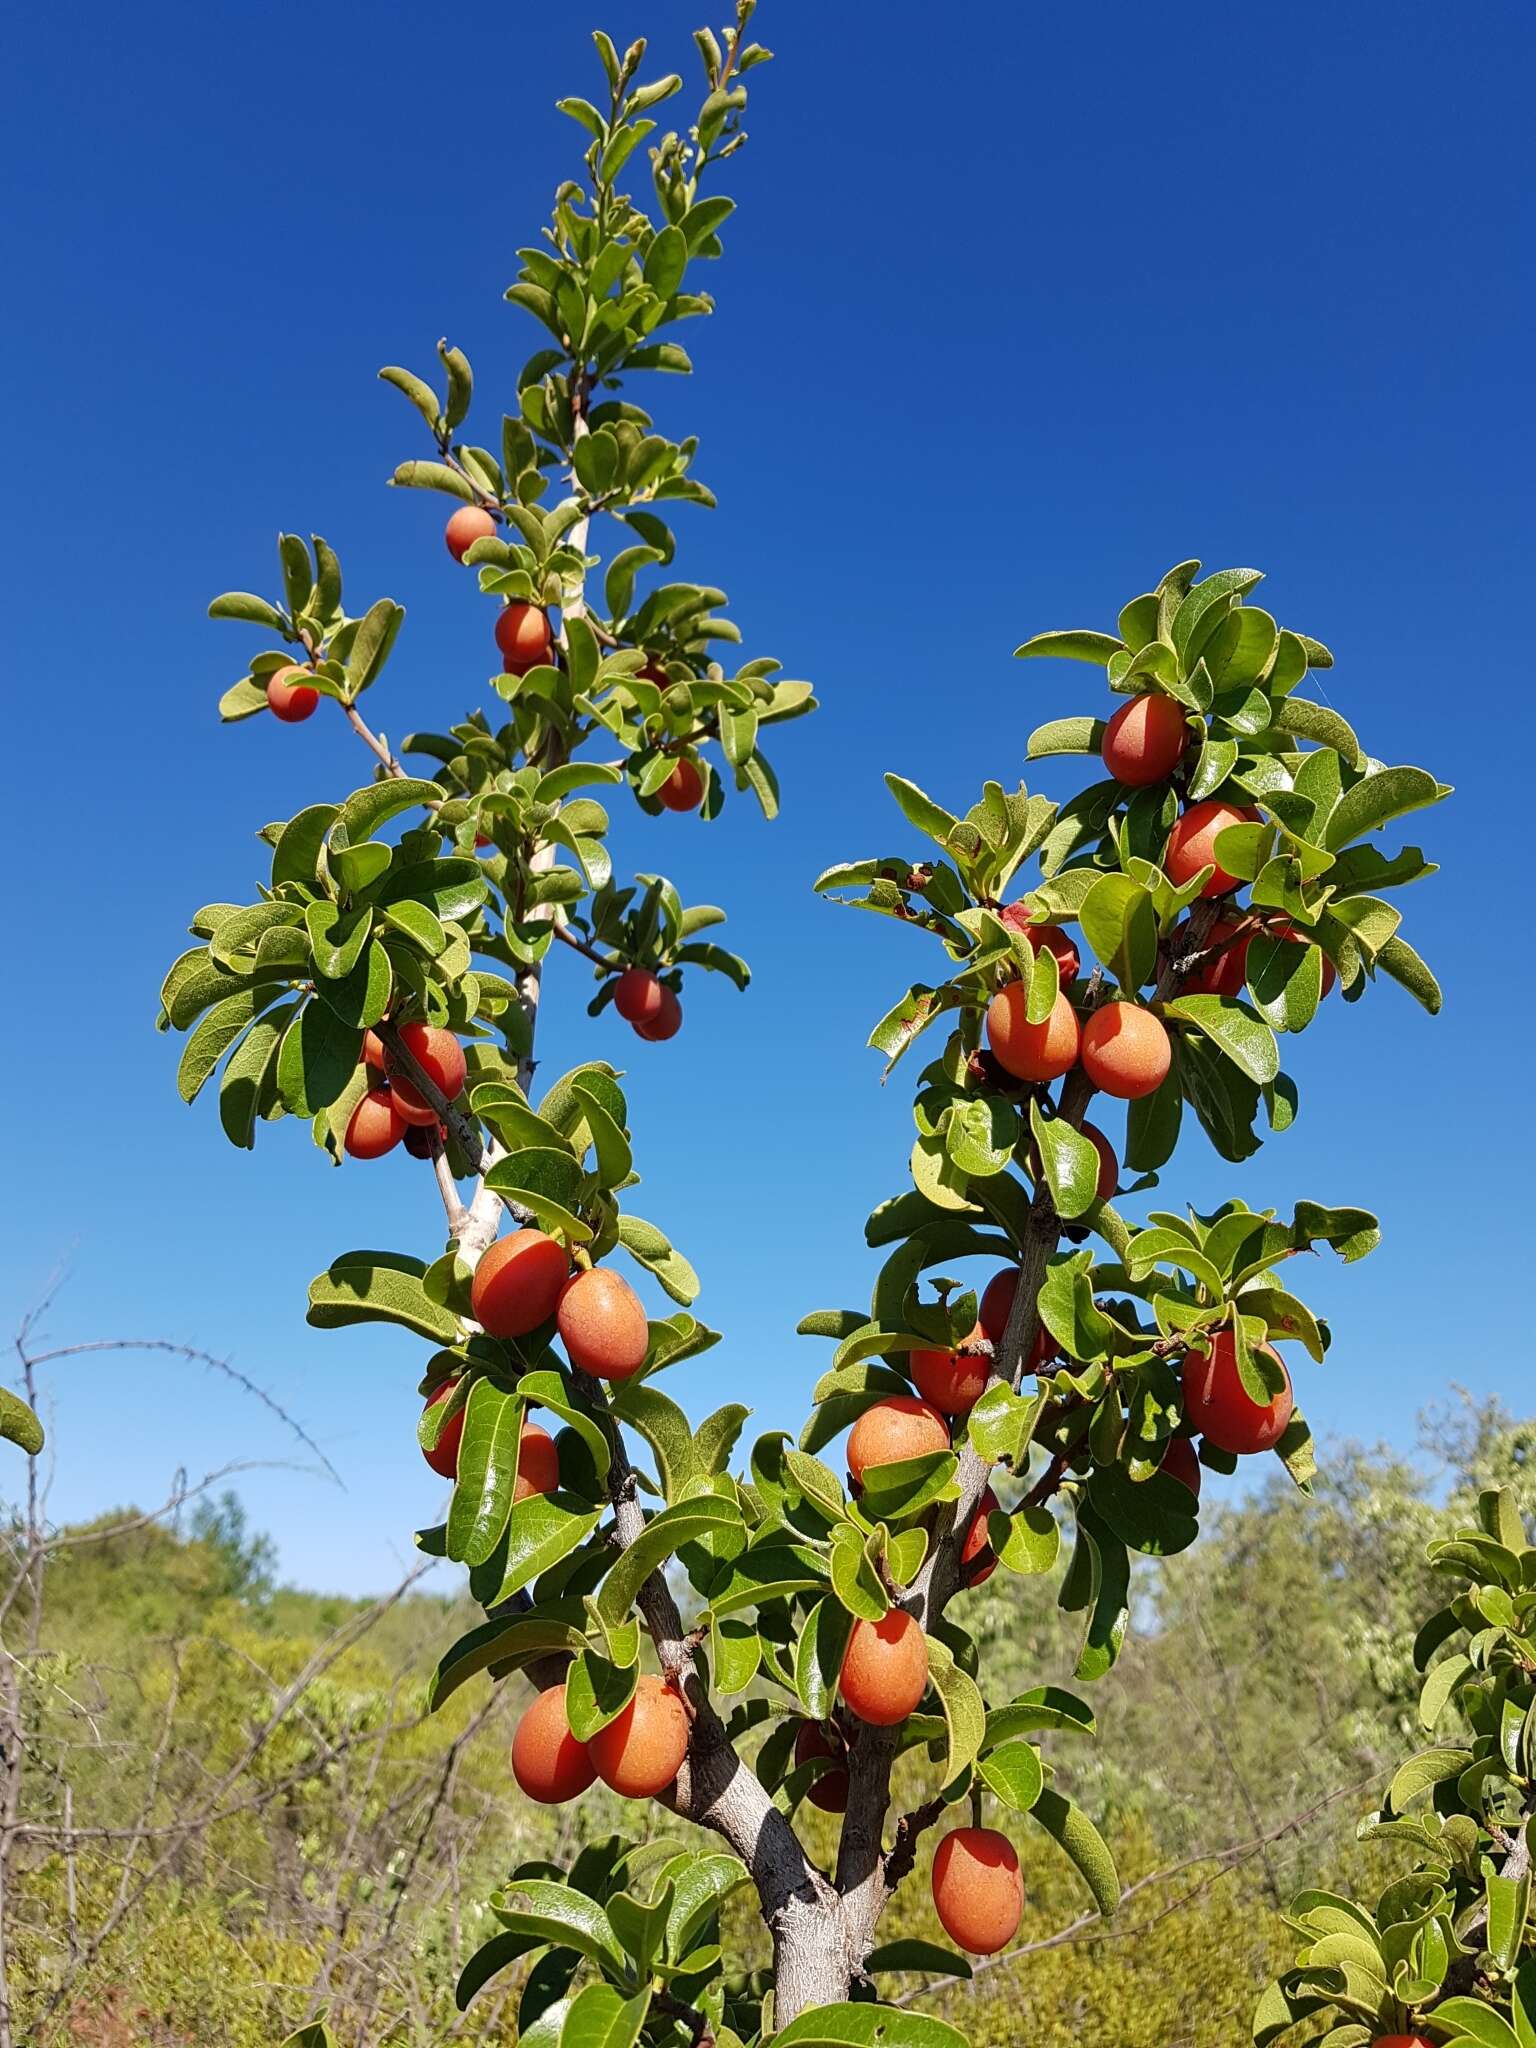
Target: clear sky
x,y
1020,307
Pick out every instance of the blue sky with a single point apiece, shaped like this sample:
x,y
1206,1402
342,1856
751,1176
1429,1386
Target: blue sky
x,y
1009,321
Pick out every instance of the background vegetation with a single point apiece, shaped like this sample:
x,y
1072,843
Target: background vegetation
x,y
228,1805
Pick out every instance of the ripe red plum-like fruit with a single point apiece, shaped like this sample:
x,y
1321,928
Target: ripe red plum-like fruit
x,y
901,1426
441,1058
640,1752
830,1790
885,1669
469,524
637,996
953,1381
1182,1462
668,1020
1032,1052
549,1764
1047,937
1126,1051
523,636
1192,844
538,1463
376,1126
978,1889
602,1324
288,700
1219,1406
978,1560
444,1454
1144,740
517,1283
683,789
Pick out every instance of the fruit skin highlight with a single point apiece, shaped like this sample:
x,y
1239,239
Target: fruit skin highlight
x,y
1144,741
829,1792
885,1669
1218,1405
469,524
1191,844
901,1426
1032,1052
603,1326
376,1126
978,1889
291,702
641,1751
1126,1051
549,1764
517,1283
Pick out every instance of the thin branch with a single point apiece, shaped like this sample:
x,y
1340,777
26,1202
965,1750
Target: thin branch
x,y
193,1356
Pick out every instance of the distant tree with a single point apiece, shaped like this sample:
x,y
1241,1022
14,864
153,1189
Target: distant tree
x,y
1207,892
247,1558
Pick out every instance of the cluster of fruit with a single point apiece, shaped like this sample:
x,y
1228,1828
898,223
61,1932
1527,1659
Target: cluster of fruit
x,y
393,1107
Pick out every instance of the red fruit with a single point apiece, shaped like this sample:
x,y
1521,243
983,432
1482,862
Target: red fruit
x,y
523,635
978,1889
373,1051
538,1463
997,1306
978,1560
419,1139
1126,1051
290,701
1018,918
953,1381
898,1427
441,1057
517,1283
376,1126
469,524
830,1790
1225,972
1032,1052
637,996
1217,1404
444,1454
602,1325
1192,844
549,1764
668,1020
1183,1463
642,1751
683,789
1144,740
885,1669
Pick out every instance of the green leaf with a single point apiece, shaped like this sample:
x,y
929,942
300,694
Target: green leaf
x,y
1398,959
1070,1828
482,1494
866,2026
660,1539
1120,923
216,1033
666,1429
965,1712
1070,646
819,1655
378,1287
1043,1706
1421,1773
597,1692
648,1247
558,1914
550,1389
242,1091
19,1425
1477,2021
367,809
599,2018
513,1640
1069,1160
921,810
1065,736
1014,1774
254,611
1245,1039
1032,1540
296,856
1376,799
911,1954
540,1532
337,937
317,1059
